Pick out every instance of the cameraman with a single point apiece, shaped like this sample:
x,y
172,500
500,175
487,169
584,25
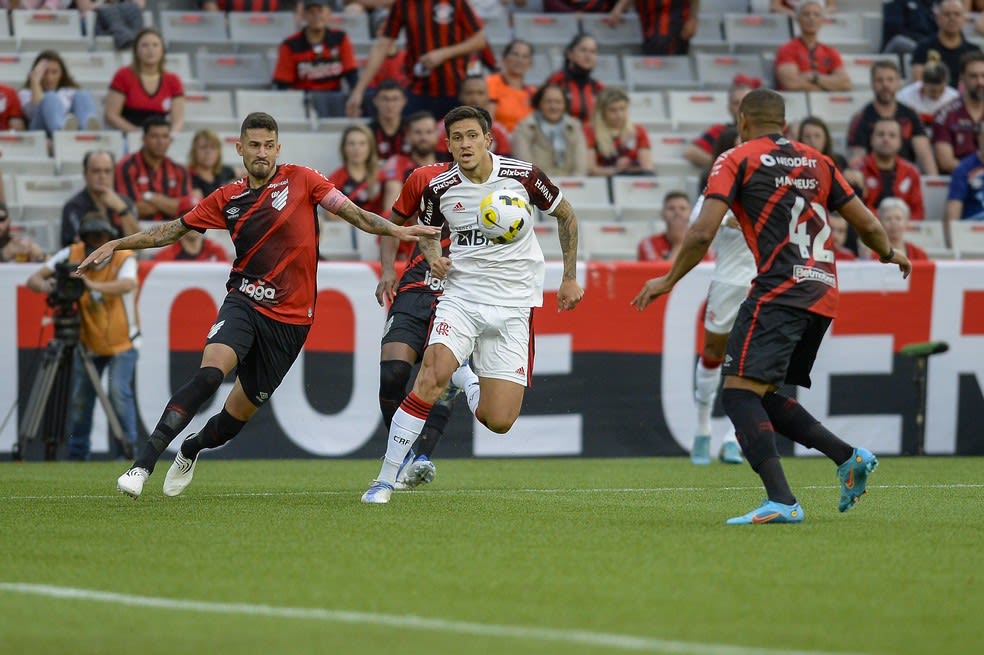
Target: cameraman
x,y
108,330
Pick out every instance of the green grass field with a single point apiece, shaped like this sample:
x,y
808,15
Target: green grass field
x,y
565,556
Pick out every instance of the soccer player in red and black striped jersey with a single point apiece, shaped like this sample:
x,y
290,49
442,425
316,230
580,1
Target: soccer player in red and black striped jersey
x,y
440,35
271,215
667,25
781,192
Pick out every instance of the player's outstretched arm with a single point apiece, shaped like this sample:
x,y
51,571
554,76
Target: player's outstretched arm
x,y
376,224
695,244
570,292
871,232
160,235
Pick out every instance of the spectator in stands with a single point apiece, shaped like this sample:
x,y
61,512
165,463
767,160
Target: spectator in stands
x,y
360,177
948,42
475,92
620,146
805,64
422,138
510,95
839,228
929,95
551,137
789,7
394,65
915,146
388,128
15,247
886,173
665,245
581,57
905,23
208,172
436,58
52,99
316,60
699,152
894,216
813,131
144,89
160,186
120,19
954,126
965,199
192,247
11,112
251,5
98,195
667,26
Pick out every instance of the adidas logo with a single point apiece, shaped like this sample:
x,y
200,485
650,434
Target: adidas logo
x,y
458,207
521,370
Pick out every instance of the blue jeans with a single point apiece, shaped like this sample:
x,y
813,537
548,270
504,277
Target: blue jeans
x,y
49,114
121,371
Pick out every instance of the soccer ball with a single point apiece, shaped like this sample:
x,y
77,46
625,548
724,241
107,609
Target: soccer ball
x,y
504,216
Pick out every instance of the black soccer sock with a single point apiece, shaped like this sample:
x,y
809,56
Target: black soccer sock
x,y
437,421
221,428
182,407
393,377
758,441
792,420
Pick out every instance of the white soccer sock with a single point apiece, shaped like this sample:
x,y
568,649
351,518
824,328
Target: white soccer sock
x,y
468,382
706,385
404,431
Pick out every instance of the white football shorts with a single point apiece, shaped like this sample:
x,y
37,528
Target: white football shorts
x,y
723,301
496,338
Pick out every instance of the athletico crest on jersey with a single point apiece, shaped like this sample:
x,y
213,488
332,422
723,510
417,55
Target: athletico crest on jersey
x,y
279,198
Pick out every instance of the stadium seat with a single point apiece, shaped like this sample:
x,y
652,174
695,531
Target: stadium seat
x,y
613,241
48,30
19,146
710,34
338,123
233,71
259,29
589,195
320,152
967,239
15,67
648,108
718,71
844,31
698,110
92,69
498,32
289,107
640,199
837,108
723,6
41,196
193,30
797,105
929,236
547,30
608,70
755,32
624,37
935,189
543,66
658,73
7,41
546,231
858,67
210,109
71,147
178,63
337,241
667,150
356,25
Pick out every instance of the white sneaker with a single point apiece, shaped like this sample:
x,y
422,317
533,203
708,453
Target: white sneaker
x,y
131,483
378,493
179,475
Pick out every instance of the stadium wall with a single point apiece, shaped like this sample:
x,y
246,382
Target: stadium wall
x,y
609,381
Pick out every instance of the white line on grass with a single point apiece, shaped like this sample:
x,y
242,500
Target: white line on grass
x,y
456,492
578,637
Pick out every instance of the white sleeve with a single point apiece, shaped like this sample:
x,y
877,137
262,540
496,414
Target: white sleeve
x,y
128,271
57,258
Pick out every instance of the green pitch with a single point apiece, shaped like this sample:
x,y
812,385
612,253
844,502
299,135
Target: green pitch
x,y
506,557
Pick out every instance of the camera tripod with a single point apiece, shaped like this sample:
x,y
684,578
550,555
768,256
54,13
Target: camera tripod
x,y
50,395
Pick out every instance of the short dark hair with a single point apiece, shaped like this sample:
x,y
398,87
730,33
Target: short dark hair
x,y
155,120
515,42
763,107
886,64
389,84
467,112
672,195
259,120
91,153
969,58
538,96
417,116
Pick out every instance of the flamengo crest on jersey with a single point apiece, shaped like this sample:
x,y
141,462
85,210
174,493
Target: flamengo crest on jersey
x,y
509,275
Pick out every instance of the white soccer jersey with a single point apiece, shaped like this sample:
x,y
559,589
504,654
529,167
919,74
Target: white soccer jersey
x,y
733,261
510,274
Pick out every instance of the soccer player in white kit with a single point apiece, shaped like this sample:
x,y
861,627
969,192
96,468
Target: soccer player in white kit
x,y
486,311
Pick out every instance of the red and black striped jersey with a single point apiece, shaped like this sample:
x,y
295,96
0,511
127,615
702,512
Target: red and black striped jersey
x,y
662,18
275,231
429,25
317,67
580,93
134,178
358,190
248,5
388,145
780,191
416,276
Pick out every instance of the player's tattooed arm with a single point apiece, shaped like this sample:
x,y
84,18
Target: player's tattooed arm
x,y
567,224
365,221
159,235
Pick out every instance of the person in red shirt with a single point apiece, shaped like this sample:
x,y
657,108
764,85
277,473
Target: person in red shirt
x,y
805,64
839,230
580,59
886,174
619,146
11,112
664,246
440,35
360,177
192,247
272,289
667,25
781,193
699,152
894,215
144,89
422,139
